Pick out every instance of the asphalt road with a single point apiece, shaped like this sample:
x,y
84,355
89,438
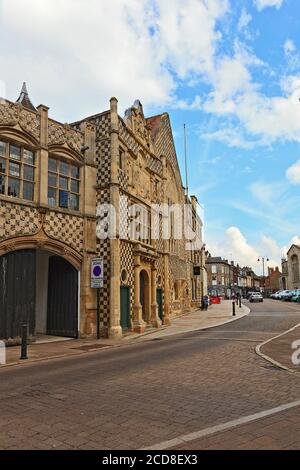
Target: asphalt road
x,y
140,395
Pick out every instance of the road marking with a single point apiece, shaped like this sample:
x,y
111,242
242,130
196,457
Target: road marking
x,y
221,427
270,359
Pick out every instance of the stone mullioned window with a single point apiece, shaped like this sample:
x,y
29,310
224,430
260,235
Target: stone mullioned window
x,y
17,171
63,184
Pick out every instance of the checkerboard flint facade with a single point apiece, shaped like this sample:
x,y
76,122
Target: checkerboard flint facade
x,y
122,162
137,164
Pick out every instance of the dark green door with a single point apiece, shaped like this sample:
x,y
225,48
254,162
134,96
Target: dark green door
x,y
125,308
159,296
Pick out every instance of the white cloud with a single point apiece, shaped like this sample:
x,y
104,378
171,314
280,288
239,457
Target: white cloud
x,y
244,21
261,4
267,193
232,137
296,240
235,246
293,173
289,46
266,118
291,54
123,48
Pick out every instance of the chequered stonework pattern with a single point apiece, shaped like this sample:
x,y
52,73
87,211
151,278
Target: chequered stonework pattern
x,y
123,180
102,125
160,271
103,249
124,216
64,227
127,262
13,114
16,220
103,162
60,134
164,145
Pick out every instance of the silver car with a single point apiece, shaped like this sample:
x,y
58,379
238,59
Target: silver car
x,y
256,297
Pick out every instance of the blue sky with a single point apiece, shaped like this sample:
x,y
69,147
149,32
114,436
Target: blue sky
x,y
229,69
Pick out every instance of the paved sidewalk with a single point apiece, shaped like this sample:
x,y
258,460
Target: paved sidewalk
x,y
216,315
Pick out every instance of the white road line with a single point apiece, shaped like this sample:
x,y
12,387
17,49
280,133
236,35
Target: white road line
x,y
270,359
221,427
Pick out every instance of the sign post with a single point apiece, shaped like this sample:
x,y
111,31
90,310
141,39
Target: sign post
x,y
97,283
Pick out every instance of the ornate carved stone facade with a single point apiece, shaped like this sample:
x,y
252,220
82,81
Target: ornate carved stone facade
x,y
33,224
137,165
130,163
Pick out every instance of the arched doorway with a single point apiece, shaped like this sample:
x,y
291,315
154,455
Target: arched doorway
x,y
145,295
41,290
295,268
283,283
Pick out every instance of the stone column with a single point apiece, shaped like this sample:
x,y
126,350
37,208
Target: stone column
x,y
155,320
43,162
139,325
167,300
115,329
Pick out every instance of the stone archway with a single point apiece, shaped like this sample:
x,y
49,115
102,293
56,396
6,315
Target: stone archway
x,y
284,283
295,268
145,295
41,290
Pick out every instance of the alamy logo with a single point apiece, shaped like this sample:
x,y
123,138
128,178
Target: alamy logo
x,y
296,354
2,353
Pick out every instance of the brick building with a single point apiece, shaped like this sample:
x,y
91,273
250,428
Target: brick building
x,y
55,182
272,281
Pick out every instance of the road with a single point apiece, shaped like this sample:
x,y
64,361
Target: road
x,y
145,394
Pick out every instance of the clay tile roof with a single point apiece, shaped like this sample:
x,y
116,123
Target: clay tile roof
x,y
24,99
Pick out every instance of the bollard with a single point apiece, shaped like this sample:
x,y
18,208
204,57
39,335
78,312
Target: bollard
x,y
233,309
24,342
240,302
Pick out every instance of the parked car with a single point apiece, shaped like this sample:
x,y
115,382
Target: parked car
x,y
296,298
288,297
282,294
256,297
250,293
274,295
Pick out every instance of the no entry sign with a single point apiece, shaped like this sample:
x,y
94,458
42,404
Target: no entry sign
x,y
97,273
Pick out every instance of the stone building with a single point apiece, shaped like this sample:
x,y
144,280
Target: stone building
x,y
293,262
283,280
146,280
219,276
57,182
47,222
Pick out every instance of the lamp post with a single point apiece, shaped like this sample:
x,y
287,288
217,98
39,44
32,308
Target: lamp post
x,y
263,259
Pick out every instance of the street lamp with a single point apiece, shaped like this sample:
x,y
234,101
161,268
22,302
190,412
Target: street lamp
x,y
263,259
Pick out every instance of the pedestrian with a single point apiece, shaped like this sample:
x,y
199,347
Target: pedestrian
x,y
204,303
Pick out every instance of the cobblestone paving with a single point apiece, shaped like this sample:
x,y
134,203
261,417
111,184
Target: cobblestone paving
x,y
142,394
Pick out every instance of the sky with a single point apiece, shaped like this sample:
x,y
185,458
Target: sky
x,y
228,69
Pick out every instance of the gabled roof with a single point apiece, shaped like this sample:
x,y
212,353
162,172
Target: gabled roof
x,y
24,99
294,245
163,140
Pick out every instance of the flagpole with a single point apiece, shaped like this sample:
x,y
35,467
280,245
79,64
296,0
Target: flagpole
x,y
186,164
